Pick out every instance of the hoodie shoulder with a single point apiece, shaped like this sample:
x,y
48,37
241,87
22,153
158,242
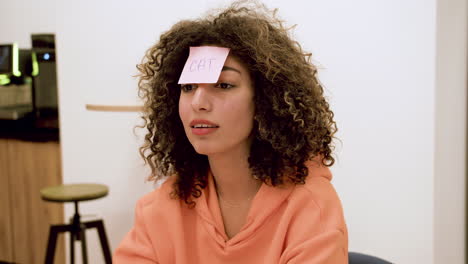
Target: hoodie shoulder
x,y
318,184
320,193
317,232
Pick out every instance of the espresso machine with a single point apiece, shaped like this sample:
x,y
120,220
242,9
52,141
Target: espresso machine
x,y
28,84
15,83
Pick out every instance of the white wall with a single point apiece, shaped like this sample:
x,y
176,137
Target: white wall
x,y
450,132
382,63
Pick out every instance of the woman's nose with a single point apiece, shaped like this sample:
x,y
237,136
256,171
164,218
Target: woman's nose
x,y
201,98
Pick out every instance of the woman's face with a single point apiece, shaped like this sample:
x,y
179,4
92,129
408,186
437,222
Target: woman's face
x,y
218,117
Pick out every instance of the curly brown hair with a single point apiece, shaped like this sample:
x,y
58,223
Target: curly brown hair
x,y
292,123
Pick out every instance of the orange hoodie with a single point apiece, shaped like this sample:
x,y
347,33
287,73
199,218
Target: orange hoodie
x,y
294,225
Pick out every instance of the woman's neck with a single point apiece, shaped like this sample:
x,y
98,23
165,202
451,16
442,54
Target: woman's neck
x,y
233,177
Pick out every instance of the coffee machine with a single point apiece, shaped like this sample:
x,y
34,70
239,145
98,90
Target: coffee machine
x,y
28,83
15,82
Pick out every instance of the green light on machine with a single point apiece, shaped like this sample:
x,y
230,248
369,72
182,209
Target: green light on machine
x,y
4,79
16,71
35,65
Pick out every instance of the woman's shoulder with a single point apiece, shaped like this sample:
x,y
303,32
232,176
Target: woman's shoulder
x,y
315,217
318,182
319,198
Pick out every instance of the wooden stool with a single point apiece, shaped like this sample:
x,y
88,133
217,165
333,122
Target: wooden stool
x,y
76,193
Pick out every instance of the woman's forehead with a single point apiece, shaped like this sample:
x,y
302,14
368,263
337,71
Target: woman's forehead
x,y
235,64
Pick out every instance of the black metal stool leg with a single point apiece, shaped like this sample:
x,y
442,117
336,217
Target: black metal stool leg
x,y
104,245
83,244
72,247
99,225
55,230
53,233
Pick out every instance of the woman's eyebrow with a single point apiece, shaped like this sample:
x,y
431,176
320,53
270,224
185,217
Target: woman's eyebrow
x,y
227,68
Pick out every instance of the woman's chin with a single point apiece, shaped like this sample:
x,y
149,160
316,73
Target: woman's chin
x,y
204,151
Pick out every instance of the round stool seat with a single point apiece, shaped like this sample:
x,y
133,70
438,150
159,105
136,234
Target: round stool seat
x,y
74,192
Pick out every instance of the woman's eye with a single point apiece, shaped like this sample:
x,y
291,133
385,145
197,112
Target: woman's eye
x,y
187,87
224,85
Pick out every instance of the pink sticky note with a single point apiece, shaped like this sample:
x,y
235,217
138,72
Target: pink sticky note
x,y
204,64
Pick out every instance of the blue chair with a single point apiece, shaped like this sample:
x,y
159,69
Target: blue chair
x,y
359,258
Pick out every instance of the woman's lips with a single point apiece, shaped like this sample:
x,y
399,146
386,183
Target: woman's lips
x,y
202,122
202,127
203,130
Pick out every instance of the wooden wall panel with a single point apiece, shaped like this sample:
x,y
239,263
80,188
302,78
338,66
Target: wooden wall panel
x,y
6,236
33,166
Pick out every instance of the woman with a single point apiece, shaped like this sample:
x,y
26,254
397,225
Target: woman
x,y
246,156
